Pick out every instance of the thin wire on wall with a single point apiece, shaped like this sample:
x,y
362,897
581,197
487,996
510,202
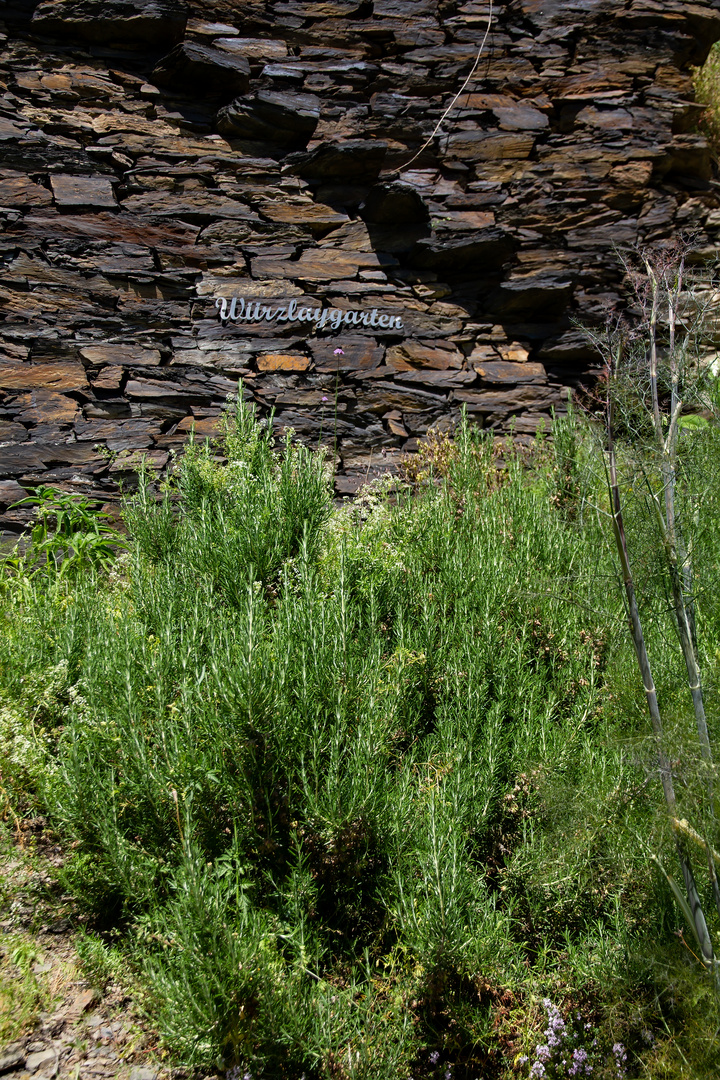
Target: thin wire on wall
x,y
459,94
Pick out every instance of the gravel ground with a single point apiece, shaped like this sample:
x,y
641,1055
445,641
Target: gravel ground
x,y
53,1021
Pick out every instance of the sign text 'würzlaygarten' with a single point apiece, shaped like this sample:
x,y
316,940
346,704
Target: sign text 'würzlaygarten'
x,y
254,311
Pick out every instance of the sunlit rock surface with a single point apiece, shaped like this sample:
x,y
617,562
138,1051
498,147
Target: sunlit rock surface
x,y
156,157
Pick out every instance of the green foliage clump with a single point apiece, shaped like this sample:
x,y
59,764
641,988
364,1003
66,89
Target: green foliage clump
x,y
707,93
69,537
359,786
22,992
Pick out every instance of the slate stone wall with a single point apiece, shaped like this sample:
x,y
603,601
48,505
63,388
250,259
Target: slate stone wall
x,y
155,157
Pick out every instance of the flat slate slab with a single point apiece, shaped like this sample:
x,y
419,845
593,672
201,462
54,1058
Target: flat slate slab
x,y
82,192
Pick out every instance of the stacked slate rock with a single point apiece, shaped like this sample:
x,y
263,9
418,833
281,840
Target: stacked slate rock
x,y
157,157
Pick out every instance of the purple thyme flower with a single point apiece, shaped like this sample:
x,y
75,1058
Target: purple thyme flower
x,y
537,1070
542,1053
620,1057
434,1057
579,1060
556,1029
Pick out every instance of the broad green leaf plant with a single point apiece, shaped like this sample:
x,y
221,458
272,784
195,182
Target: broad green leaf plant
x,y
69,536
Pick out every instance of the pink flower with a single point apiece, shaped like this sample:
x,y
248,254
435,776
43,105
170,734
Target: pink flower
x,y
324,398
338,352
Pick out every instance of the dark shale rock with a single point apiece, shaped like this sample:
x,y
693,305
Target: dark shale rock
x,y
519,299
359,354
20,191
570,347
10,492
358,161
446,273
140,23
506,373
481,249
419,356
82,192
394,204
284,119
193,68
16,375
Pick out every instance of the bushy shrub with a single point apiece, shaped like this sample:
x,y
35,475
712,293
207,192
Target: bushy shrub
x,y
355,782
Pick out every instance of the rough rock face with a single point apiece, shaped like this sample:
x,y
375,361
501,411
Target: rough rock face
x,y
158,158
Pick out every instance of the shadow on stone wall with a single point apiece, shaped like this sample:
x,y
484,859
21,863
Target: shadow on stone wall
x,y
156,158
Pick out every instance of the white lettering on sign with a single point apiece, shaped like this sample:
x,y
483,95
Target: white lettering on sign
x,y
238,309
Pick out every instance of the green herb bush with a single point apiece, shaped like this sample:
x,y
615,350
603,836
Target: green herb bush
x,y
361,786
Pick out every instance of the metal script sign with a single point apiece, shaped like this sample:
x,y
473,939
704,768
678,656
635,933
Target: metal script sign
x,y
254,311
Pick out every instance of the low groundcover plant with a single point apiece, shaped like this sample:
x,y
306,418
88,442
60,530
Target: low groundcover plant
x,y
571,1049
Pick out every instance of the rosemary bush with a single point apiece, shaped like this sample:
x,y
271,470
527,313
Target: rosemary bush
x,y
361,786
